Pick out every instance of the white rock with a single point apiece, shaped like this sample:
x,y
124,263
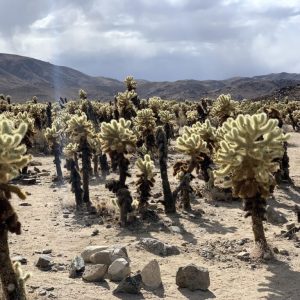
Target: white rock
x,y
119,269
151,275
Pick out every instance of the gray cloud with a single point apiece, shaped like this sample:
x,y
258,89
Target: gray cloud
x,y
156,39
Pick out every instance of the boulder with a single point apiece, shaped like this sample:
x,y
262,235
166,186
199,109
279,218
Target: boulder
x,y
94,273
119,269
44,262
193,278
151,275
90,250
274,217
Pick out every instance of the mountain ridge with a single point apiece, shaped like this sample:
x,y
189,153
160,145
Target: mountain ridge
x,y
24,77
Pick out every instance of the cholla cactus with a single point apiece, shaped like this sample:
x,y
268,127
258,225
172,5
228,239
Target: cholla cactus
x,y
125,104
155,104
145,179
223,108
79,131
145,124
117,139
12,158
195,147
54,137
192,117
130,83
246,157
117,136
82,94
168,120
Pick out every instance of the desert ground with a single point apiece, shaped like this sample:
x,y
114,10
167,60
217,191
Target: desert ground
x,y
211,236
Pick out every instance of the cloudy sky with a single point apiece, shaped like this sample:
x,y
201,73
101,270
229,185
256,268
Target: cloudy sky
x,y
156,39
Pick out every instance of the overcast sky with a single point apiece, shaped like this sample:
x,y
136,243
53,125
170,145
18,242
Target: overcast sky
x,y
156,39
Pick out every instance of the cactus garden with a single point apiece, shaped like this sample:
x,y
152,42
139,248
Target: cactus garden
x,y
97,197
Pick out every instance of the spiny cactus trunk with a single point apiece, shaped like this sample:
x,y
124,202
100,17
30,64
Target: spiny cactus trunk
x,y
104,165
205,165
162,144
85,171
75,181
57,161
95,162
11,288
9,282
255,208
123,169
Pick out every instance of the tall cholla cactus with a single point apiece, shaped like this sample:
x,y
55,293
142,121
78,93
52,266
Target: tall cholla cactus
x,y
195,147
117,139
192,117
125,104
53,136
82,94
12,158
79,130
223,108
145,123
246,156
145,179
168,120
70,152
130,83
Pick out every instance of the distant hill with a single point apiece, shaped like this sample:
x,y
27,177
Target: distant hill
x,y
24,77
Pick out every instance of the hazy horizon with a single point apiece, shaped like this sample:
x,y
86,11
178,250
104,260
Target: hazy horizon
x,y
156,40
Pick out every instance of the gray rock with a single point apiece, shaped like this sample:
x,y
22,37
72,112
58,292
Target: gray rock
x,y
44,262
42,293
157,247
90,250
151,275
101,257
284,252
94,273
21,259
119,269
274,217
119,252
130,285
193,278
77,267
175,229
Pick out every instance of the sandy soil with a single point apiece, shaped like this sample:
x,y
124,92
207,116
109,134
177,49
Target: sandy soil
x,y
217,231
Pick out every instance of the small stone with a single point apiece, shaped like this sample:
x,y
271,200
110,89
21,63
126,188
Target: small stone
x,y
151,275
108,226
24,204
119,269
175,229
95,232
243,255
284,252
21,259
42,293
77,267
94,273
90,250
130,285
193,278
46,251
44,262
49,289
66,216
159,248
275,250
